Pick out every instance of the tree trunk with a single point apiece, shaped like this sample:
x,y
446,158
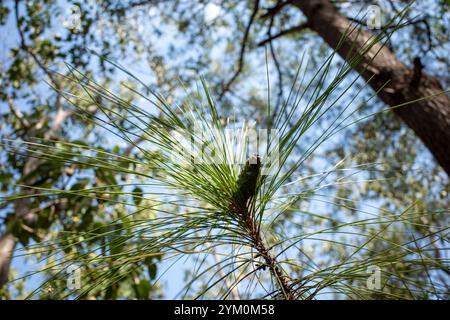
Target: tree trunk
x,y
22,205
7,245
22,212
429,118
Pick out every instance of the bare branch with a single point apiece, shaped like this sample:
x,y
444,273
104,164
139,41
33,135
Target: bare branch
x,y
277,66
274,10
18,114
27,49
282,33
240,65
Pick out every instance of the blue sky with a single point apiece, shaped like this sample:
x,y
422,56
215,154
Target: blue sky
x,y
173,278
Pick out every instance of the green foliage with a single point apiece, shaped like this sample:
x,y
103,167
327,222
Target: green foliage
x,y
195,212
90,198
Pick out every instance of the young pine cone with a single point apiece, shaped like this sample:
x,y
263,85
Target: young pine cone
x,y
247,183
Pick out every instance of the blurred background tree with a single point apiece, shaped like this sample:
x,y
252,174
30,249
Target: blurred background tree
x,y
168,42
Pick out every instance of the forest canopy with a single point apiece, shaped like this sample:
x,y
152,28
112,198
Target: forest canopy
x,y
214,149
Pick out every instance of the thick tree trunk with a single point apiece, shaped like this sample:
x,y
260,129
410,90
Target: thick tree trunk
x,y
429,118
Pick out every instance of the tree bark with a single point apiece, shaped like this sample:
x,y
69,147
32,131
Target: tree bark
x,y
428,118
7,245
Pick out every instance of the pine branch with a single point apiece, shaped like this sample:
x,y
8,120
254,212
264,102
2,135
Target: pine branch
x,y
241,205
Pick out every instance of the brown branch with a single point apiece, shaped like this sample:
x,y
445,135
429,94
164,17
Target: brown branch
x,y
60,116
270,261
136,4
133,145
18,114
428,109
429,37
242,207
240,65
270,12
277,67
282,33
27,49
40,64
